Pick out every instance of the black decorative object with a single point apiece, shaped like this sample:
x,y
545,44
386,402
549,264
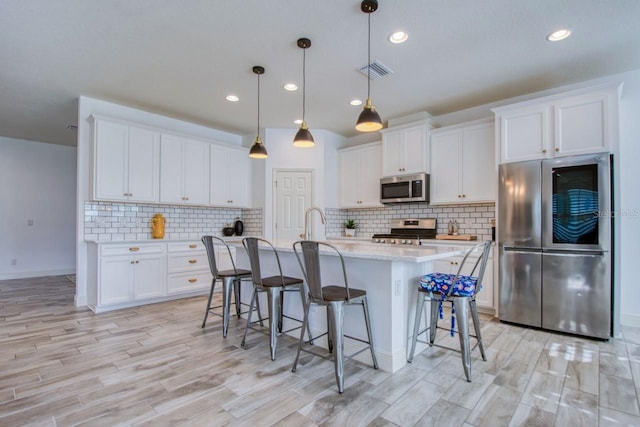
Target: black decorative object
x,y
239,227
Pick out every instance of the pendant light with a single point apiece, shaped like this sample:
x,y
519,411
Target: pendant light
x,y
258,150
303,138
369,120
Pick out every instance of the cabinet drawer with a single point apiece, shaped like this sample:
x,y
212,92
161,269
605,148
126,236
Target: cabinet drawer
x,y
187,262
185,282
130,249
185,246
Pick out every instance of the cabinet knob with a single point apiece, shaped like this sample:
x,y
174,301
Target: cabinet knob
x,y
193,280
557,149
193,261
134,249
193,246
544,151
132,262
464,195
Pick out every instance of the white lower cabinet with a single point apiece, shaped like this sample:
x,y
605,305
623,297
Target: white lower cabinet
x,y
187,267
129,274
484,298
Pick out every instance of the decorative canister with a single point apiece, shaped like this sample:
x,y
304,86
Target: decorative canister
x,y
157,226
238,227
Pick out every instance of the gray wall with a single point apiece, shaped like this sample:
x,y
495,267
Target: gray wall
x,y
38,187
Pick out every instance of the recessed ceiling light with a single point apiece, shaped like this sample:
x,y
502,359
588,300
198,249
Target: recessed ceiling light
x,y
298,121
232,98
355,102
291,86
558,35
398,37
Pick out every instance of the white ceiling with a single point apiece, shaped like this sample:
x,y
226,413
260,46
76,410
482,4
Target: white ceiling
x,y
181,58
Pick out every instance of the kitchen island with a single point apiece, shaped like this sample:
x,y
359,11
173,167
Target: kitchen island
x,y
389,274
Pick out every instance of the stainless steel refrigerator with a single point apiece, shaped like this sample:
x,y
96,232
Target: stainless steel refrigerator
x,y
554,237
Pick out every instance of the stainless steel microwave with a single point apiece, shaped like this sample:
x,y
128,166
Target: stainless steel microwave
x,y
405,188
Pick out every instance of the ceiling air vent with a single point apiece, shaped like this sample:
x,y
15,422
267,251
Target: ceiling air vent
x,y
378,70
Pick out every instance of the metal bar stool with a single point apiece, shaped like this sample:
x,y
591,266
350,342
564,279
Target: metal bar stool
x,y
275,287
334,298
461,291
228,278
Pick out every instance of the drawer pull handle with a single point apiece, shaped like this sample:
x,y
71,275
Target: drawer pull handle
x,y
193,280
193,261
193,246
134,249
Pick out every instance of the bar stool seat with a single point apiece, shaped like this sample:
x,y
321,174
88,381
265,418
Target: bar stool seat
x,y
461,291
230,279
339,293
279,281
334,298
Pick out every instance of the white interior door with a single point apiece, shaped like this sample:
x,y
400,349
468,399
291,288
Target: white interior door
x,y
293,196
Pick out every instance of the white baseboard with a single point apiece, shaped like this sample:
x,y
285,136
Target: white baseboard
x,y
30,274
630,319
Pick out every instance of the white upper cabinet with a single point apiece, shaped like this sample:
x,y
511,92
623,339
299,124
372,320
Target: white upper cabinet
x,y
463,163
126,162
185,171
578,122
405,149
229,185
360,171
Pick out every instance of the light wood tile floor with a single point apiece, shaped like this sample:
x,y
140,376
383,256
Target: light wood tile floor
x,y
154,366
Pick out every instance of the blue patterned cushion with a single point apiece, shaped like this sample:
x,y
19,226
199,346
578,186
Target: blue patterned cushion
x,y
465,286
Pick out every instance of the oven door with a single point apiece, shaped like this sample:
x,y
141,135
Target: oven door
x,y
576,203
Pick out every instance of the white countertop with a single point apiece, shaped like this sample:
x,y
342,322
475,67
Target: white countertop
x,y
380,252
350,248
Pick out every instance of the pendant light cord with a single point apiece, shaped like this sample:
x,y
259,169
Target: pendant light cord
x,y
304,83
369,56
258,132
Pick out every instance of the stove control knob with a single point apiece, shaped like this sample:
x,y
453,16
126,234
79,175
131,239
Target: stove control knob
x,y
404,242
392,241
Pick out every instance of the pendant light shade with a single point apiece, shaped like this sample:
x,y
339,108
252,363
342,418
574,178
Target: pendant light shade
x,y
258,150
369,120
303,138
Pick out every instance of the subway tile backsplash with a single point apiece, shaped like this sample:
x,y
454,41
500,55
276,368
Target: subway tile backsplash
x,y
472,219
105,221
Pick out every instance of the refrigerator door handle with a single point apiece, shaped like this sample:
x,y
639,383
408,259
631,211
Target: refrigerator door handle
x,y
518,249
574,252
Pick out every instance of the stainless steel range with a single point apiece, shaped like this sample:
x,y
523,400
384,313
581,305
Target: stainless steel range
x,y
408,231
